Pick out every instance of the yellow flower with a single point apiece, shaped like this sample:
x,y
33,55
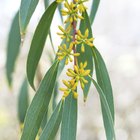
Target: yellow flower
x,y
79,73
70,87
65,33
81,6
83,39
71,11
65,52
59,1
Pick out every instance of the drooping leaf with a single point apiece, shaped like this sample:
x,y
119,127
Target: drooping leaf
x,y
38,42
87,55
39,104
27,9
69,119
13,48
46,3
23,101
52,126
94,8
108,117
105,84
59,10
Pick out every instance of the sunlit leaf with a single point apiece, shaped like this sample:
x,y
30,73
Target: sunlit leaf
x,y
39,104
104,82
27,9
13,48
23,101
105,108
51,128
38,42
94,8
69,119
87,55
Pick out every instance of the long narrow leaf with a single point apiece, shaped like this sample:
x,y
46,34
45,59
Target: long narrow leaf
x,y
105,84
13,48
94,8
59,10
38,42
46,3
87,55
39,104
105,108
23,101
52,126
27,9
69,119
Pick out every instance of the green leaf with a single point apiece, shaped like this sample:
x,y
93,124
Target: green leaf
x,y
105,84
38,42
59,10
105,108
52,126
27,9
94,8
46,3
23,101
39,104
87,55
69,119
13,48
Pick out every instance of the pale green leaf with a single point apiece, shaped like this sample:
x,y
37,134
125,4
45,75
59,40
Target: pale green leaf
x,y
59,10
27,9
105,107
94,8
23,101
46,3
105,84
13,48
69,119
87,55
51,128
39,104
38,42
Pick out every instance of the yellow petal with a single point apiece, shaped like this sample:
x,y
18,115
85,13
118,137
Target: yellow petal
x,y
86,73
82,48
75,95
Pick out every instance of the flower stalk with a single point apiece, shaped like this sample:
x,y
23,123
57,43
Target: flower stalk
x,y
74,38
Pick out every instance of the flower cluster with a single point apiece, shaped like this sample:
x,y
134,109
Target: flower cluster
x,y
66,53
67,50
83,39
77,75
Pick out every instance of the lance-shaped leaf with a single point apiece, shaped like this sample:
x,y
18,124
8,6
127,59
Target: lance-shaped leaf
x,y
23,101
110,132
105,84
87,55
39,104
94,8
51,128
13,48
69,119
38,42
60,7
46,3
27,9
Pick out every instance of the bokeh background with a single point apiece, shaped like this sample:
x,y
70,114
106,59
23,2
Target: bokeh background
x,y
117,36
